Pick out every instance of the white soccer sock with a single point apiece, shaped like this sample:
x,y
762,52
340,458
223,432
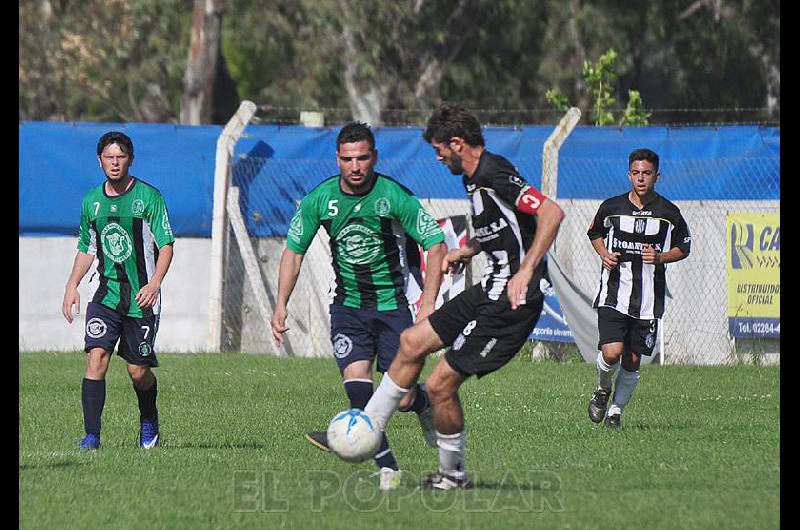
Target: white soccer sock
x,y
605,371
626,383
452,453
385,401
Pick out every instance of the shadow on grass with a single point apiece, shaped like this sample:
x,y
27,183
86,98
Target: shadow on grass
x,y
215,445
481,485
49,465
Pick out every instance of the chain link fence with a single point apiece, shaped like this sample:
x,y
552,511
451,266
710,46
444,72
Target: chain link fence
x,y
695,322
695,325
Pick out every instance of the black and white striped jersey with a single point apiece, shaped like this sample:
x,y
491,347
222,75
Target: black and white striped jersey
x,y
497,193
633,287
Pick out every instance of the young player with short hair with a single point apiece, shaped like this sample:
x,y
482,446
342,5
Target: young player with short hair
x,y
369,218
124,224
635,234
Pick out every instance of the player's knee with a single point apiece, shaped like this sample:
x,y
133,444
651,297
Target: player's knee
x,y
410,346
438,389
140,375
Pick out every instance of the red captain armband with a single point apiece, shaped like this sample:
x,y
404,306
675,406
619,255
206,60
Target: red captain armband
x,y
530,200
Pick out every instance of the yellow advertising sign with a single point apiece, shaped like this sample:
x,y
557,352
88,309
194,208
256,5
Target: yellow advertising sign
x,y
754,281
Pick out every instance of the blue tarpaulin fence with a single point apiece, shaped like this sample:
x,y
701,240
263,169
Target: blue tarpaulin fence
x,y
278,165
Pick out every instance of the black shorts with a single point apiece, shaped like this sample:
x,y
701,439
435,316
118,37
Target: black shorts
x,y
484,334
638,336
136,336
364,334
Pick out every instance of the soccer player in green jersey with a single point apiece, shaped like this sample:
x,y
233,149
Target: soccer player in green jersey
x,y
368,217
124,224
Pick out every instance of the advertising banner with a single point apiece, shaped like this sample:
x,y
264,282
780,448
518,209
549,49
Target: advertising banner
x,y
754,282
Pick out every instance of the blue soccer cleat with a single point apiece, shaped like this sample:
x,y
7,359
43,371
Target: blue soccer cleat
x,y
148,434
91,442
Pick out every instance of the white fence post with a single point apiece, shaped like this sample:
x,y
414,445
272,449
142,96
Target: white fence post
x,y
219,226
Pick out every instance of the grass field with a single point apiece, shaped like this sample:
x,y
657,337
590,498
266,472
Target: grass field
x,y
699,448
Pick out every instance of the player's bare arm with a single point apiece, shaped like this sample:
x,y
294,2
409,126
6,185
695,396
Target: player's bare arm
x,y
81,265
610,260
147,295
288,273
454,260
651,257
549,220
433,280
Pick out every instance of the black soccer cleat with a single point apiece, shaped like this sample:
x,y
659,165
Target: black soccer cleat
x,y
598,405
445,481
613,421
319,439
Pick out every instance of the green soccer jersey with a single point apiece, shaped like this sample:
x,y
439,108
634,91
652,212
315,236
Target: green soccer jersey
x,y
367,238
125,233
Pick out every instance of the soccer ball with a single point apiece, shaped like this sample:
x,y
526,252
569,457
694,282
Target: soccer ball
x,y
353,436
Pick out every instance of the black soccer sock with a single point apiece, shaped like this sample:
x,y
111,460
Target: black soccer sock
x,y
359,391
384,456
93,397
147,402
421,400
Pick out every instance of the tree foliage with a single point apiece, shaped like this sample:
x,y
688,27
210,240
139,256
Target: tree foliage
x,y
390,62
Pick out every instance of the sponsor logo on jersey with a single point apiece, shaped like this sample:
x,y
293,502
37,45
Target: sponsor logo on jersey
x,y
383,207
642,212
113,208
486,233
117,244
296,226
516,180
144,349
358,244
96,328
632,246
342,345
426,225
137,208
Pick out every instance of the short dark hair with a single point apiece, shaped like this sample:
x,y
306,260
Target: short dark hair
x,y
355,132
115,137
451,120
644,154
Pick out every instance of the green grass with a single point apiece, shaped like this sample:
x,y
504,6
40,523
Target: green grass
x,y
699,448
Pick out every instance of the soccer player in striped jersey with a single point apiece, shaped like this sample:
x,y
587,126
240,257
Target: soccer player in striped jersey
x,y
124,224
486,325
370,220
635,234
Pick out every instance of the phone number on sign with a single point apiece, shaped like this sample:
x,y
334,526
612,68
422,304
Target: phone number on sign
x,y
761,328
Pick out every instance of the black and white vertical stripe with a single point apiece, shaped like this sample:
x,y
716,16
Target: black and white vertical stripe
x,y
635,288
504,261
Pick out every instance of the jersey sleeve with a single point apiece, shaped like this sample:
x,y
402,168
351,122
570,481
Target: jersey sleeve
x,y
515,190
303,227
86,243
418,223
158,219
597,227
681,238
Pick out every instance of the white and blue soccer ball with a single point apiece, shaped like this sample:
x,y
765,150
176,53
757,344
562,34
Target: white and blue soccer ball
x,y
353,436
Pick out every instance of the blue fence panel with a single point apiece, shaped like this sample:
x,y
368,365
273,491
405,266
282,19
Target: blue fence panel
x,y
275,166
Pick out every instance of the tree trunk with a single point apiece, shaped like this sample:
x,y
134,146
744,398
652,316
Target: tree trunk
x,y
197,100
365,97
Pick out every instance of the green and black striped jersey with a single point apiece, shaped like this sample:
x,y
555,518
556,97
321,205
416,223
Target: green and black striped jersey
x,y
367,238
125,233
